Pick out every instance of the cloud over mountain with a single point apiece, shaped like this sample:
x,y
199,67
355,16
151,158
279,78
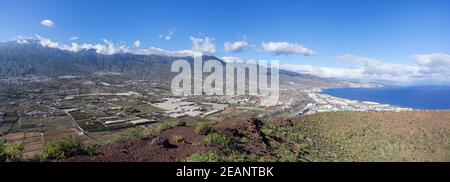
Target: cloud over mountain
x,y
108,47
433,68
204,45
137,43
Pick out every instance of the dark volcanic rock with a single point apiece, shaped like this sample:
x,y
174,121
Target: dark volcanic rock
x,y
158,141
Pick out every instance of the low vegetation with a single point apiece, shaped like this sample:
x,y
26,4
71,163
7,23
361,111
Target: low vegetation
x,y
11,152
203,128
162,127
67,147
212,157
178,123
215,139
137,133
362,136
236,158
178,138
203,157
330,136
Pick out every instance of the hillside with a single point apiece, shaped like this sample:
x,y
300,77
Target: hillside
x,y
369,136
334,136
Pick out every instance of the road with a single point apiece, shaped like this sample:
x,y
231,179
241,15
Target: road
x,y
80,130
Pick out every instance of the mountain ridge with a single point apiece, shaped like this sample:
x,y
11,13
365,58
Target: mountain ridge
x,y
32,58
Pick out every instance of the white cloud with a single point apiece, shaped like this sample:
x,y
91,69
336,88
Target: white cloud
x,y
107,47
434,62
203,45
137,43
47,42
47,23
237,46
21,40
378,68
162,52
110,48
74,38
286,48
431,68
325,72
168,35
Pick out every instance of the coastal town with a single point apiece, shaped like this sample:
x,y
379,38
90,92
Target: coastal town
x,y
326,103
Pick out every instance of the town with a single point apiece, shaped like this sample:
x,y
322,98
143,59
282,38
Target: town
x,y
327,103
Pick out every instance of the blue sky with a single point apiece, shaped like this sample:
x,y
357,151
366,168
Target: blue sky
x,y
391,31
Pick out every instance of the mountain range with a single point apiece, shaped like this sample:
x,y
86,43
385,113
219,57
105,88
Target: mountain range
x,y
32,58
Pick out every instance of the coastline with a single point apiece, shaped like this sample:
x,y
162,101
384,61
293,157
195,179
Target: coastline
x,y
327,103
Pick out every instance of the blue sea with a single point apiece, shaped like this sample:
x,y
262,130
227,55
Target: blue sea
x,y
416,97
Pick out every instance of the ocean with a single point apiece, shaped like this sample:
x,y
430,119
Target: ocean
x,y
416,97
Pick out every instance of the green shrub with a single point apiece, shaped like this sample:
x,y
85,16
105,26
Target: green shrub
x,y
136,133
177,138
235,158
2,140
14,151
294,136
2,153
203,157
217,139
304,147
267,131
288,156
203,128
117,139
11,152
62,148
265,159
178,123
162,127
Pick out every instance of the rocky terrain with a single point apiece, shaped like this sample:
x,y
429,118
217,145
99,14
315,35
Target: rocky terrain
x,y
333,136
